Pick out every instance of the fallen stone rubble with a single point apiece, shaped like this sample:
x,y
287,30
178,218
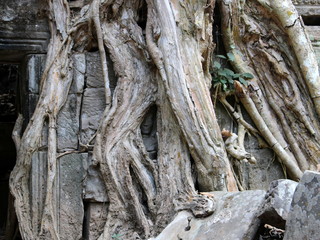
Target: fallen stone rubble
x,y
288,210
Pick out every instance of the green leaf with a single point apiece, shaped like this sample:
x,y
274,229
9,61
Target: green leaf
x,y
116,236
224,87
228,72
230,56
223,81
242,81
221,56
247,75
216,65
230,80
222,72
237,75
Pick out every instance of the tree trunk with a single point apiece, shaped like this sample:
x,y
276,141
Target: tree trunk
x,y
282,97
161,52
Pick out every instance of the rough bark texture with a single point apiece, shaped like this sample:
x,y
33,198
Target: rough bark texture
x,y
161,52
152,61
267,39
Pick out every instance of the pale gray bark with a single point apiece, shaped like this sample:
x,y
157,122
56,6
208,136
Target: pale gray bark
x,y
268,39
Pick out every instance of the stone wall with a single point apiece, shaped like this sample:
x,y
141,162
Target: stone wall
x,y
23,29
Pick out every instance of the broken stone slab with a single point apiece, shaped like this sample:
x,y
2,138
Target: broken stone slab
x,y
68,123
235,217
92,109
95,219
278,202
70,205
94,187
304,217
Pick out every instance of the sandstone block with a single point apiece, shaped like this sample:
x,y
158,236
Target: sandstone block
x,y
235,217
94,73
68,123
304,217
35,67
277,205
96,216
79,70
70,205
94,187
92,110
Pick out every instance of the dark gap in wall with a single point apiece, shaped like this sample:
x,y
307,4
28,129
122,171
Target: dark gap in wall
x,y
217,34
113,80
143,199
142,15
273,220
9,78
148,129
313,20
85,223
194,174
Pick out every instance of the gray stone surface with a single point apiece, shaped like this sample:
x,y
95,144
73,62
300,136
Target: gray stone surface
x,y
35,66
79,70
23,28
279,197
94,188
278,203
92,109
70,205
31,103
314,35
235,217
304,217
68,123
38,186
307,7
96,216
94,74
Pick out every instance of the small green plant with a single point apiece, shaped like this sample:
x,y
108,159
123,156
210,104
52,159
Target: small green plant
x,y
224,78
116,236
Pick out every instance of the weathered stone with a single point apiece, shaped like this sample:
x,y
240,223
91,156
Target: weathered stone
x,y
68,123
79,70
38,186
92,109
278,202
34,69
96,216
94,70
70,205
235,217
94,187
32,100
23,29
307,7
304,217
314,36
151,143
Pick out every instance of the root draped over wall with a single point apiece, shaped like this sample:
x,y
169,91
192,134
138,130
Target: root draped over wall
x,y
267,39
